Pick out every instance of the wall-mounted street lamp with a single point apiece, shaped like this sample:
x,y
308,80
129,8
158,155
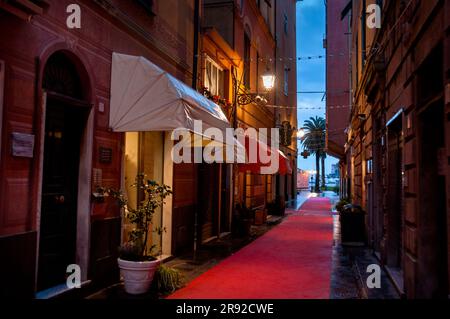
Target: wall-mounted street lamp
x,y
301,134
268,81
258,98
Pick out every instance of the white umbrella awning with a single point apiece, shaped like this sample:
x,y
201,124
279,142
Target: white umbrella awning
x,y
146,98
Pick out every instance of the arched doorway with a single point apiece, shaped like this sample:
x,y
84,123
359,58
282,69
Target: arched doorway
x,y
66,114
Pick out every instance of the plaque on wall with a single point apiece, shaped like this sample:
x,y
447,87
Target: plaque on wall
x,y
22,145
105,155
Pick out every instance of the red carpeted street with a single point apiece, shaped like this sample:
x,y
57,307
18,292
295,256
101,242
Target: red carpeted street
x,y
292,261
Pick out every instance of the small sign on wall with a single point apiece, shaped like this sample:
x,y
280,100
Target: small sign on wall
x,y
22,145
105,155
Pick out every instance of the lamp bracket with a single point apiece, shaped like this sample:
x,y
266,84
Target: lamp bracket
x,y
252,98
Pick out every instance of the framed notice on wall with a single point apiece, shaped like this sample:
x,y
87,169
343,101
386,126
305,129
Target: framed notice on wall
x,y
2,90
22,145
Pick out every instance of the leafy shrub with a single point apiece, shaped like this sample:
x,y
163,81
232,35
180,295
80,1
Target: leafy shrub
x,y
340,205
137,249
168,279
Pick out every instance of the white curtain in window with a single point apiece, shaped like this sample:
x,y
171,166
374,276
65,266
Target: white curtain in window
x,y
214,78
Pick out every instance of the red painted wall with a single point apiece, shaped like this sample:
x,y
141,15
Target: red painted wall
x,y
106,27
24,43
338,79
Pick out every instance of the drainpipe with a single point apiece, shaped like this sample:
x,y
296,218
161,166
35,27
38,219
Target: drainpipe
x,y
363,35
275,59
194,86
277,177
196,43
350,100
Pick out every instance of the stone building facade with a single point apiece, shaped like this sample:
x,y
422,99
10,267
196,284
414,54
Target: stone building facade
x,y
338,85
56,145
244,40
398,141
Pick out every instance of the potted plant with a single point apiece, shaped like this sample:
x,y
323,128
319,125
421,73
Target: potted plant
x,y
167,280
243,220
260,217
340,205
247,219
276,207
136,260
272,208
353,225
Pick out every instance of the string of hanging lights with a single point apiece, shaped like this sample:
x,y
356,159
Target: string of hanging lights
x,y
286,59
332,107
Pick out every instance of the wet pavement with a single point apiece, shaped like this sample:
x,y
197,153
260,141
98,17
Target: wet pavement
x,y
349,275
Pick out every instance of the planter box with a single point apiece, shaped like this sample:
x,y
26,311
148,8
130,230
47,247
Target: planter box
x,y
353,226
260,217
242,228
276,208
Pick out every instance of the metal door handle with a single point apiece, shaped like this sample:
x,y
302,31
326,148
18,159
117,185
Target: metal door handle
x,y
60,199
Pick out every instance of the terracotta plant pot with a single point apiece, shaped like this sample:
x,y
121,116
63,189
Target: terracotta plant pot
x,y
138,276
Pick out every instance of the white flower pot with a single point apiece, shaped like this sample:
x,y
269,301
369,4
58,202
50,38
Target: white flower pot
x,y
138,276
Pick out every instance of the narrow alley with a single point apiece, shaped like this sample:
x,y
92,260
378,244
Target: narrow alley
x,y
182,152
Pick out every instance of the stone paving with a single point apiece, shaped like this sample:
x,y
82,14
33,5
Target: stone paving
x,y
349,275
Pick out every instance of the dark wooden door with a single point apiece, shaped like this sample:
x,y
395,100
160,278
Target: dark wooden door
x,y
432,230
208,200
394,195
57,243
184,207
225,200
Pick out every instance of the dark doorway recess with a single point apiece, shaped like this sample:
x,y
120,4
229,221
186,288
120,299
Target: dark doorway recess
x,y
394,243
433,259
208,190
65,121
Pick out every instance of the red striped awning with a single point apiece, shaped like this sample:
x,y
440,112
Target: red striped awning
x,y
254,165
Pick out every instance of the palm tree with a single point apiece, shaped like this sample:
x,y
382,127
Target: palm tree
x,y
314,142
